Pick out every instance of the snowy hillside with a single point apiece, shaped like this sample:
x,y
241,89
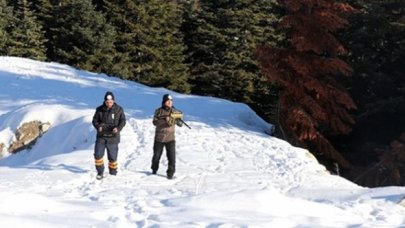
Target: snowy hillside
x,y
229,173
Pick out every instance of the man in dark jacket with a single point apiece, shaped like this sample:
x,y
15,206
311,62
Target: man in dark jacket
x,y
165,119
109,119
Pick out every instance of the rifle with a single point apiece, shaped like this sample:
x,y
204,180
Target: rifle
x,y
181,120
178,115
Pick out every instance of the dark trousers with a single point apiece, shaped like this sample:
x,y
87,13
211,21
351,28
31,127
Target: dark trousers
x,y
170,153
112,154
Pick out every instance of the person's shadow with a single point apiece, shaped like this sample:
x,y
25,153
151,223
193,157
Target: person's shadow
x,y
149,173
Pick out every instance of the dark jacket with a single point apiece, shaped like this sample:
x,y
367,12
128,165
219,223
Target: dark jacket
x,y
108,119
164,131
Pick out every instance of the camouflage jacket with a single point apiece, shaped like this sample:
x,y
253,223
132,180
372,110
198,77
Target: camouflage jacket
x,y
165,125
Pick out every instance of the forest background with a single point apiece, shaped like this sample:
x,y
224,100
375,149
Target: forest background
x,y
329,74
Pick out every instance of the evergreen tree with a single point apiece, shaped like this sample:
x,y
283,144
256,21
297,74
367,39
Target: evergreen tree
x,y
149,43
26,35
377,53
314,106
120,14
5,18
376,43
160,51
47,14
221,37
82,37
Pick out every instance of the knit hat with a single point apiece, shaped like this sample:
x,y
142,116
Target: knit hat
x,y
109,96
166,97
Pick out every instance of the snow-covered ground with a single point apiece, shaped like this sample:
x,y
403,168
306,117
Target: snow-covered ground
x,y
229,172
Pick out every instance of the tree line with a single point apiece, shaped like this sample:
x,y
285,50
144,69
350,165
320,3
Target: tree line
x,y
329,74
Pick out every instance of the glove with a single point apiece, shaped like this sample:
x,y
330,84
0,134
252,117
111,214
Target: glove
x,y
179,123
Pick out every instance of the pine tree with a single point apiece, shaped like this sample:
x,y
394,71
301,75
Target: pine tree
x,y
82,37
377,53
5,18
160,51
120,15
375,39
46,13
221,37
149,43
26,35
314,105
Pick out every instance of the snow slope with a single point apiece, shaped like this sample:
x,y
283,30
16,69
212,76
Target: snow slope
x,y
229,172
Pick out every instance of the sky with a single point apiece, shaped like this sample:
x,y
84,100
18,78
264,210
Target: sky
x,y
229,171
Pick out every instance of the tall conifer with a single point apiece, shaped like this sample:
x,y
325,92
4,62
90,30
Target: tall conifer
x,y
375,39
45,10
149,43
221,37
26,34
160,51
5,18
313,104
82,37
120,14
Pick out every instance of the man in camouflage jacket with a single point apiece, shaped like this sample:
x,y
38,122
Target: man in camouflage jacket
x,y
165,119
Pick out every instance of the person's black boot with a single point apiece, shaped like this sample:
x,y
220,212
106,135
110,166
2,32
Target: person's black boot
x,y
170,176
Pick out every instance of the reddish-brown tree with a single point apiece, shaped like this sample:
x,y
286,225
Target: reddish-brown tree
x,y
392,159
388,171
313,105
